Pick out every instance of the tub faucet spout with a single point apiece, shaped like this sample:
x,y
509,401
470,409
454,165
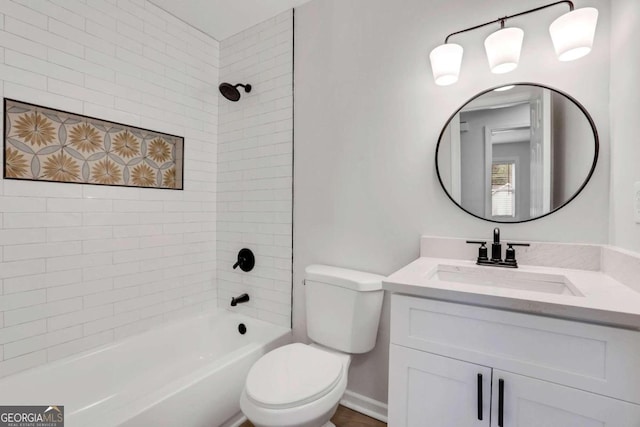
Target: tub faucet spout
x,y
239,299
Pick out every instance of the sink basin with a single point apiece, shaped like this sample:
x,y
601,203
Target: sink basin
x,y
497,277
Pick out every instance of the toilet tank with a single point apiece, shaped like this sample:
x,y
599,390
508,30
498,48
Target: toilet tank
x,y
343,307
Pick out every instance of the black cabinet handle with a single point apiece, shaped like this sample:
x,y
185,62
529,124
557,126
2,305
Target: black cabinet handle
x,y
501,403
480,397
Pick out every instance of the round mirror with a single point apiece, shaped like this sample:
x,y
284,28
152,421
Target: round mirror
x,y
516,153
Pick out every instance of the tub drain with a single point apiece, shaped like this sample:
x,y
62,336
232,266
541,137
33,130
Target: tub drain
x,y
242,329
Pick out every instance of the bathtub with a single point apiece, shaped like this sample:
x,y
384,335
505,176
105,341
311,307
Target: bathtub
x,y
186,373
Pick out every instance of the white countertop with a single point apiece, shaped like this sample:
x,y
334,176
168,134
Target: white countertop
x,y
604,300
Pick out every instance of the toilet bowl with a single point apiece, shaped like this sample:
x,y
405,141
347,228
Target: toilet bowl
x,y
296,385
300,385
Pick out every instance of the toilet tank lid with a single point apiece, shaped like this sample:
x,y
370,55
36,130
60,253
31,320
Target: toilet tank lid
x,y
345,278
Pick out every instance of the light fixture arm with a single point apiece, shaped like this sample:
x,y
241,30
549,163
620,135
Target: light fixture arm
x,y
504,19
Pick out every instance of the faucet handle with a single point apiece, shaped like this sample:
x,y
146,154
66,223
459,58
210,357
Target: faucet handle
x,y
510,257
482,250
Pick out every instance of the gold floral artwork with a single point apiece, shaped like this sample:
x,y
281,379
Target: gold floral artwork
x,y
35,129
126,145
44,144
106,172
61,167
15,163
85,138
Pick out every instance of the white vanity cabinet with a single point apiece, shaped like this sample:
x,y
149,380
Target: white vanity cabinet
x,y
449,361
430,390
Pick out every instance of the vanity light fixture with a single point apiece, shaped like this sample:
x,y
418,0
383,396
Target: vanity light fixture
x,y
572,35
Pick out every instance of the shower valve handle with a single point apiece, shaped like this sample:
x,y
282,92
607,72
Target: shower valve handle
x,y
246,261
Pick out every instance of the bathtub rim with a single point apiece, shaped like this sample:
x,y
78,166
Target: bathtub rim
x,y
120,342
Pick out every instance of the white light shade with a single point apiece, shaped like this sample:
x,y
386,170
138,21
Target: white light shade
x,y
573,32
445,63
503,49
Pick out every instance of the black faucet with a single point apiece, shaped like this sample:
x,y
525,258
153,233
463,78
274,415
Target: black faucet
x,y
496,252
496,247
239,299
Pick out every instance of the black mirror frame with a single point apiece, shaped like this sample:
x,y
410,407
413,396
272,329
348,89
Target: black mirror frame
x,y
584,184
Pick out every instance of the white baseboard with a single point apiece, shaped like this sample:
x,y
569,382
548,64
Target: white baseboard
x,y
235,421
350,399
365,405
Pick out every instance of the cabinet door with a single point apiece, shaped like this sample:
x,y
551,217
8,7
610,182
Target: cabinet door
x,y
426,390
529,402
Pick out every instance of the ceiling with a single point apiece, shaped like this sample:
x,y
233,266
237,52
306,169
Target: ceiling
x,y
223,18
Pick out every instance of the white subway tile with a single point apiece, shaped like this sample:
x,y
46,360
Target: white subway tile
x,y
69,32
79,64
53,10
109,297
110,322
24,14
22,204
122,231
136,206
39,281
103,271
105,192
40,250
23,77
79,92
79,205
79,289
41,189
87,248
22,331
41,311
19,236
22,299
75,262
17,364
116,218
109,245
79,317
39,342
76,346
35,96
42,36
127,256
20,44
138,279
65,234
20,268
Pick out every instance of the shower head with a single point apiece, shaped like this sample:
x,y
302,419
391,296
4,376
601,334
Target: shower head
x,y
231,92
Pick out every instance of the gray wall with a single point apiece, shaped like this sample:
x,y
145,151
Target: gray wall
x,y
625,126
367,120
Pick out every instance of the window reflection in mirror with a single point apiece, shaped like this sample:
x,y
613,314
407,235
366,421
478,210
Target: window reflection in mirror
x,y
518,154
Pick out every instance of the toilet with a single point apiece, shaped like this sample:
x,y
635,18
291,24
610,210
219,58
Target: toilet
x,y
300,385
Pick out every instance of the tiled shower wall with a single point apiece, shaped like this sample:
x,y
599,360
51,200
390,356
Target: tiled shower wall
x,y
82,265
255,157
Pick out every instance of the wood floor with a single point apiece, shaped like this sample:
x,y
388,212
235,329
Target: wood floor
x,y
345,417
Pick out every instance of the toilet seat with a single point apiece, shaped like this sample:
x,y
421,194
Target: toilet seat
x,y
292,376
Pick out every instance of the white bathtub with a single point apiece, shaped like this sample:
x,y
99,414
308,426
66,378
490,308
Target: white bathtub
x,y
187,373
